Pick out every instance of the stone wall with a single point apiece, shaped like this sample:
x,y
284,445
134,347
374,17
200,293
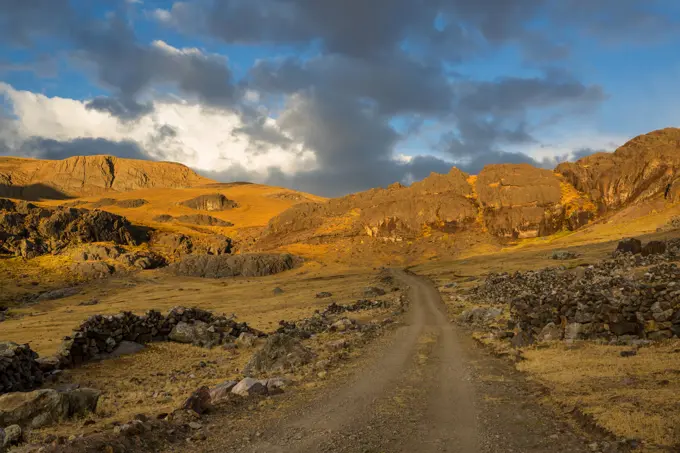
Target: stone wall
x,y
101,334
18,369
628,296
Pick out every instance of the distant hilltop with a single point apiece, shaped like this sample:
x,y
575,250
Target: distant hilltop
x,y
79,176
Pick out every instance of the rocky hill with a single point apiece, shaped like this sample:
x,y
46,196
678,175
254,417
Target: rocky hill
x,y
32,179
638,171
506,201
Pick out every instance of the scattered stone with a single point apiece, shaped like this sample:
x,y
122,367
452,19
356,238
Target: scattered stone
x,y
480,315
323,295
279,353
276,385
195,425
342,325
276,291
250,387
451,285
521,339
630,353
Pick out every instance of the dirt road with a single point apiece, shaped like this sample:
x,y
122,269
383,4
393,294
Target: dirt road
x,y
425,389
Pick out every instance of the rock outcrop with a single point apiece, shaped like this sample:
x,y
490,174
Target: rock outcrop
x,y
247,265
210,202
32,179
637,171
28,230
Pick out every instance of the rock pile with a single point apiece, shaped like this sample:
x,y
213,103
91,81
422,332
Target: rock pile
x,y
608,300
101,334
45,407
210,202
116,254
19,370
323,321
28,230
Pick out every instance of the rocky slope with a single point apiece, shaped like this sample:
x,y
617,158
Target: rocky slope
x,y
637,171
506,201
32,179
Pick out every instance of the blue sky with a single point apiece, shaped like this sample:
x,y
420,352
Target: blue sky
x,y
335,96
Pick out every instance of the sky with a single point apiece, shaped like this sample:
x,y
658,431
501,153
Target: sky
x,y
335,96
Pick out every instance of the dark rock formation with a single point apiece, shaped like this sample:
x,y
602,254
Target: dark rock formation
x,y
210,202
248,265
178,245
27,230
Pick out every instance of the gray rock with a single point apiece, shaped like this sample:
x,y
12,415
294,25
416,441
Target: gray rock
x,y
250,387
550,332
323,295
663,316
48,364
82,401
246,340
197,333
342,325
58,294
200,401
279,353
521,339
123,348
222,391
92,269
33,409
277,385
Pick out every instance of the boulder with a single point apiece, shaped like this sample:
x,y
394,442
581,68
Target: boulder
x,y
573,331
197,333
200,401
33,409
521,339
276,385
480,315
631,245
342,325
82,401
210,202
92,269
323,295
276,291
279,353
250,387
48,364
550,332
221,391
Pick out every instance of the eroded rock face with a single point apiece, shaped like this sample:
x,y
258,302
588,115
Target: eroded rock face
x,y
178,245
639,170
521,201
210,202
27,230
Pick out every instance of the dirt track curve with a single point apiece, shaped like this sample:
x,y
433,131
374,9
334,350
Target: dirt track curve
x,y
427,388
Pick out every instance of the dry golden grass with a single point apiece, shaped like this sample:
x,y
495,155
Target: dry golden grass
x,y
44,324
633,397
257,205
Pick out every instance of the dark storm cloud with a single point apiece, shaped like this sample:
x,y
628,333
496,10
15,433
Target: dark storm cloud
x,y
125,109
110,45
